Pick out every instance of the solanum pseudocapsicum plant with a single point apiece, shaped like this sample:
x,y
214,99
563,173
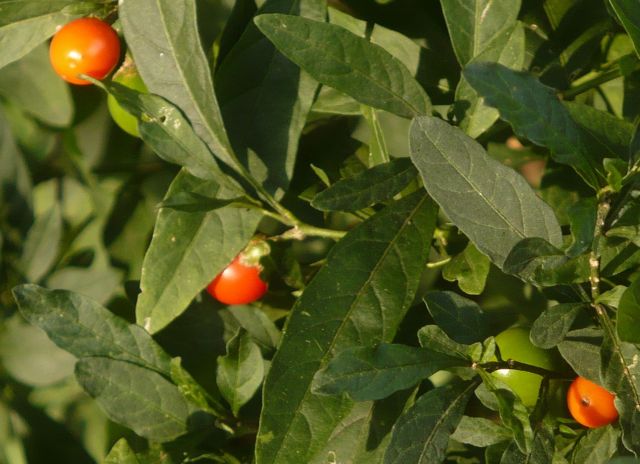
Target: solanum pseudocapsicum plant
x,y
437,205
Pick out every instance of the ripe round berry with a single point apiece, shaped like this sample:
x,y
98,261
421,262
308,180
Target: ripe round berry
x,y
590,404
84,46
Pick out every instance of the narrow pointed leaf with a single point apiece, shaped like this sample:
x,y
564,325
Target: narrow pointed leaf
x,y
536,113
349,63
42,244
628,321
373,373
265,98
135,397
84,328
491,203
372,186
163,38
358,297
628,12
187,251
421,435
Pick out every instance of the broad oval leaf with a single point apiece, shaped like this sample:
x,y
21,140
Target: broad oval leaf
x,y
163,38
84,328
187,251
138,398
373,373
553,324
421,435
491,203
460,318
597,446
265,98
480,432
535,112
372,186
358,297
349,63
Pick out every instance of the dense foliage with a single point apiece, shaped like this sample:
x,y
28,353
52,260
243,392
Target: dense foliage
x,y
440,199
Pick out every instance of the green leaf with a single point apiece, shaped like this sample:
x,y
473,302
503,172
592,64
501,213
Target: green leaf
x,y
85,328
377,184
422,433
612,133
541,452
169,56
42,245
359,296
190,202
461,318
470,268
554,323
492,204
192,391
121,453
534,112
349,63
262,330
628,321
163,127
33,86
187,251
435,339
373,373
480,432
582,217
135,397
620,373
628,12
479,25
581,349
476,116
241,371
265,98
597,446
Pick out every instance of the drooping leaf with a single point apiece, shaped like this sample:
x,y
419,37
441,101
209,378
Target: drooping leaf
x,y
462,319
470,268
373,373
534,112
553,324
163,38
628,321
32,85
138,398
359,296
262,329
435,339
350,64
492,204
541,452
84,328
240,371
421,435
479,25
187,251
581,349
265,98
372,186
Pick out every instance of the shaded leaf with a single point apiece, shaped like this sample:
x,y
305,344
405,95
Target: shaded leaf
x,y
379,183
480,432
628,321
492,204
534,112
554,323
350,64
462,319
358,297
435,339
541,452
373,373
42,245
470,268
138,398
85,328
581,349
422,433
628,13
240,371
262,330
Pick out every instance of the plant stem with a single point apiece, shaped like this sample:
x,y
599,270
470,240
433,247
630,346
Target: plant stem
x,y
610,72
518,366
604,206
